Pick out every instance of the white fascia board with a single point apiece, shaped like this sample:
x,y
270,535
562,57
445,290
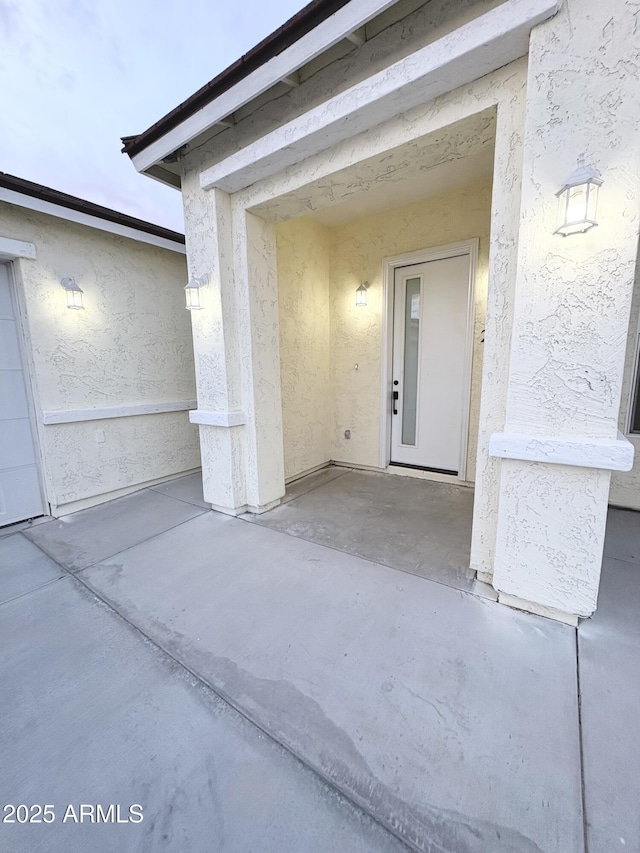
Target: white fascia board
x,y
11,249
491,41
608,454
61,212
470,52
334,29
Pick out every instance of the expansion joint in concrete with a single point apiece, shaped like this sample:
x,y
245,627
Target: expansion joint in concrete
x,y
585,826
356,803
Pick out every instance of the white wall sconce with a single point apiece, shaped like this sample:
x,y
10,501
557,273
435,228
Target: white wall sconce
x,y
74,292
578,200
361,293
192,292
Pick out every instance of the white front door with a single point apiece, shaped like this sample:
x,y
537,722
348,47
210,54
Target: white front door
x,y
430,357
20,495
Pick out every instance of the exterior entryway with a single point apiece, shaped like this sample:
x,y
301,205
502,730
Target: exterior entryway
x,y
20,494
432,362
413,525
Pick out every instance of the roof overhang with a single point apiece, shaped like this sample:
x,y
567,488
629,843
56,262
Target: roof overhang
x,y
32,196
481,46
148,149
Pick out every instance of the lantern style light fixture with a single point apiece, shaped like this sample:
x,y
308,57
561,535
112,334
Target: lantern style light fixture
x,y
578,200
361,294
192,292
74,292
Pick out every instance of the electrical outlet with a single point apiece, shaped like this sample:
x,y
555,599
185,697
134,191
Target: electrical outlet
x,y
347,433
100,438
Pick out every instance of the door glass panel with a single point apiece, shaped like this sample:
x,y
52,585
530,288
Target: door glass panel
x,y
411,347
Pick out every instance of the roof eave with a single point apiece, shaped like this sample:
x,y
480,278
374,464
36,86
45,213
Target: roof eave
x,y
22,187
308,34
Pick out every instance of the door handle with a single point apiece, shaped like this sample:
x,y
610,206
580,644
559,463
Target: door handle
x,y
395,400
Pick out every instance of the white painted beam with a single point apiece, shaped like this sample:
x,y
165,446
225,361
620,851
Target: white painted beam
x,y
331,31
608,454
70,416
483,45
61,212
292,80
357,38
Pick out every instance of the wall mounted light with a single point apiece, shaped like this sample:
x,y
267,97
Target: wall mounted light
x,y
578,200
74,292
192,292
361,293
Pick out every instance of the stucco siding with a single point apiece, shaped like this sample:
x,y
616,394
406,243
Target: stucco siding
x,y
131,345
324,335
388,40
356,333
303,248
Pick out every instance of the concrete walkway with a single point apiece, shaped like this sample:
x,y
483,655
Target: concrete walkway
x,y
255,691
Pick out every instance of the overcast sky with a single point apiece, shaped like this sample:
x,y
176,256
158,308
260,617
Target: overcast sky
x,y
76,75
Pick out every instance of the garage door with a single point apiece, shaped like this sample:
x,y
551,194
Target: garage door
x,y
20,495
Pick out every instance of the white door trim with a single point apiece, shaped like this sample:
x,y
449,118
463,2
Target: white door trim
x,y
24,344
389,266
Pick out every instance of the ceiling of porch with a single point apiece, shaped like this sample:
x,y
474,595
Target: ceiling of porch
x,y
455,156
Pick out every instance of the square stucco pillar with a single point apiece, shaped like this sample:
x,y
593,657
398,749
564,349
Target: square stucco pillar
x,y
236,350
256,288
503,253
571,313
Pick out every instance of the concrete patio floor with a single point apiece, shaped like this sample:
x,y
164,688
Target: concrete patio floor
x,y
257,691
415,525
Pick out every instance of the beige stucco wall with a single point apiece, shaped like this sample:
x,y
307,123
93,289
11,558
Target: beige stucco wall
x,y
131,345
356,333
323,393
304,251
328,179
625,485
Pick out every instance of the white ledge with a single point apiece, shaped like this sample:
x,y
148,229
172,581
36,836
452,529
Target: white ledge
x,y
70,416
11,249
483,45
222,419
609,454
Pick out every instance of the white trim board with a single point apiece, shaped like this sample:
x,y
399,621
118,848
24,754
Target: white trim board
x,y
451,250
11,249
60,212
331,31
16,295
479,47
221,419
608,454
69,416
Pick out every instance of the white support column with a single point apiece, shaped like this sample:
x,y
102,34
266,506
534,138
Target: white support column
x,y
256,283
237,352
572,303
